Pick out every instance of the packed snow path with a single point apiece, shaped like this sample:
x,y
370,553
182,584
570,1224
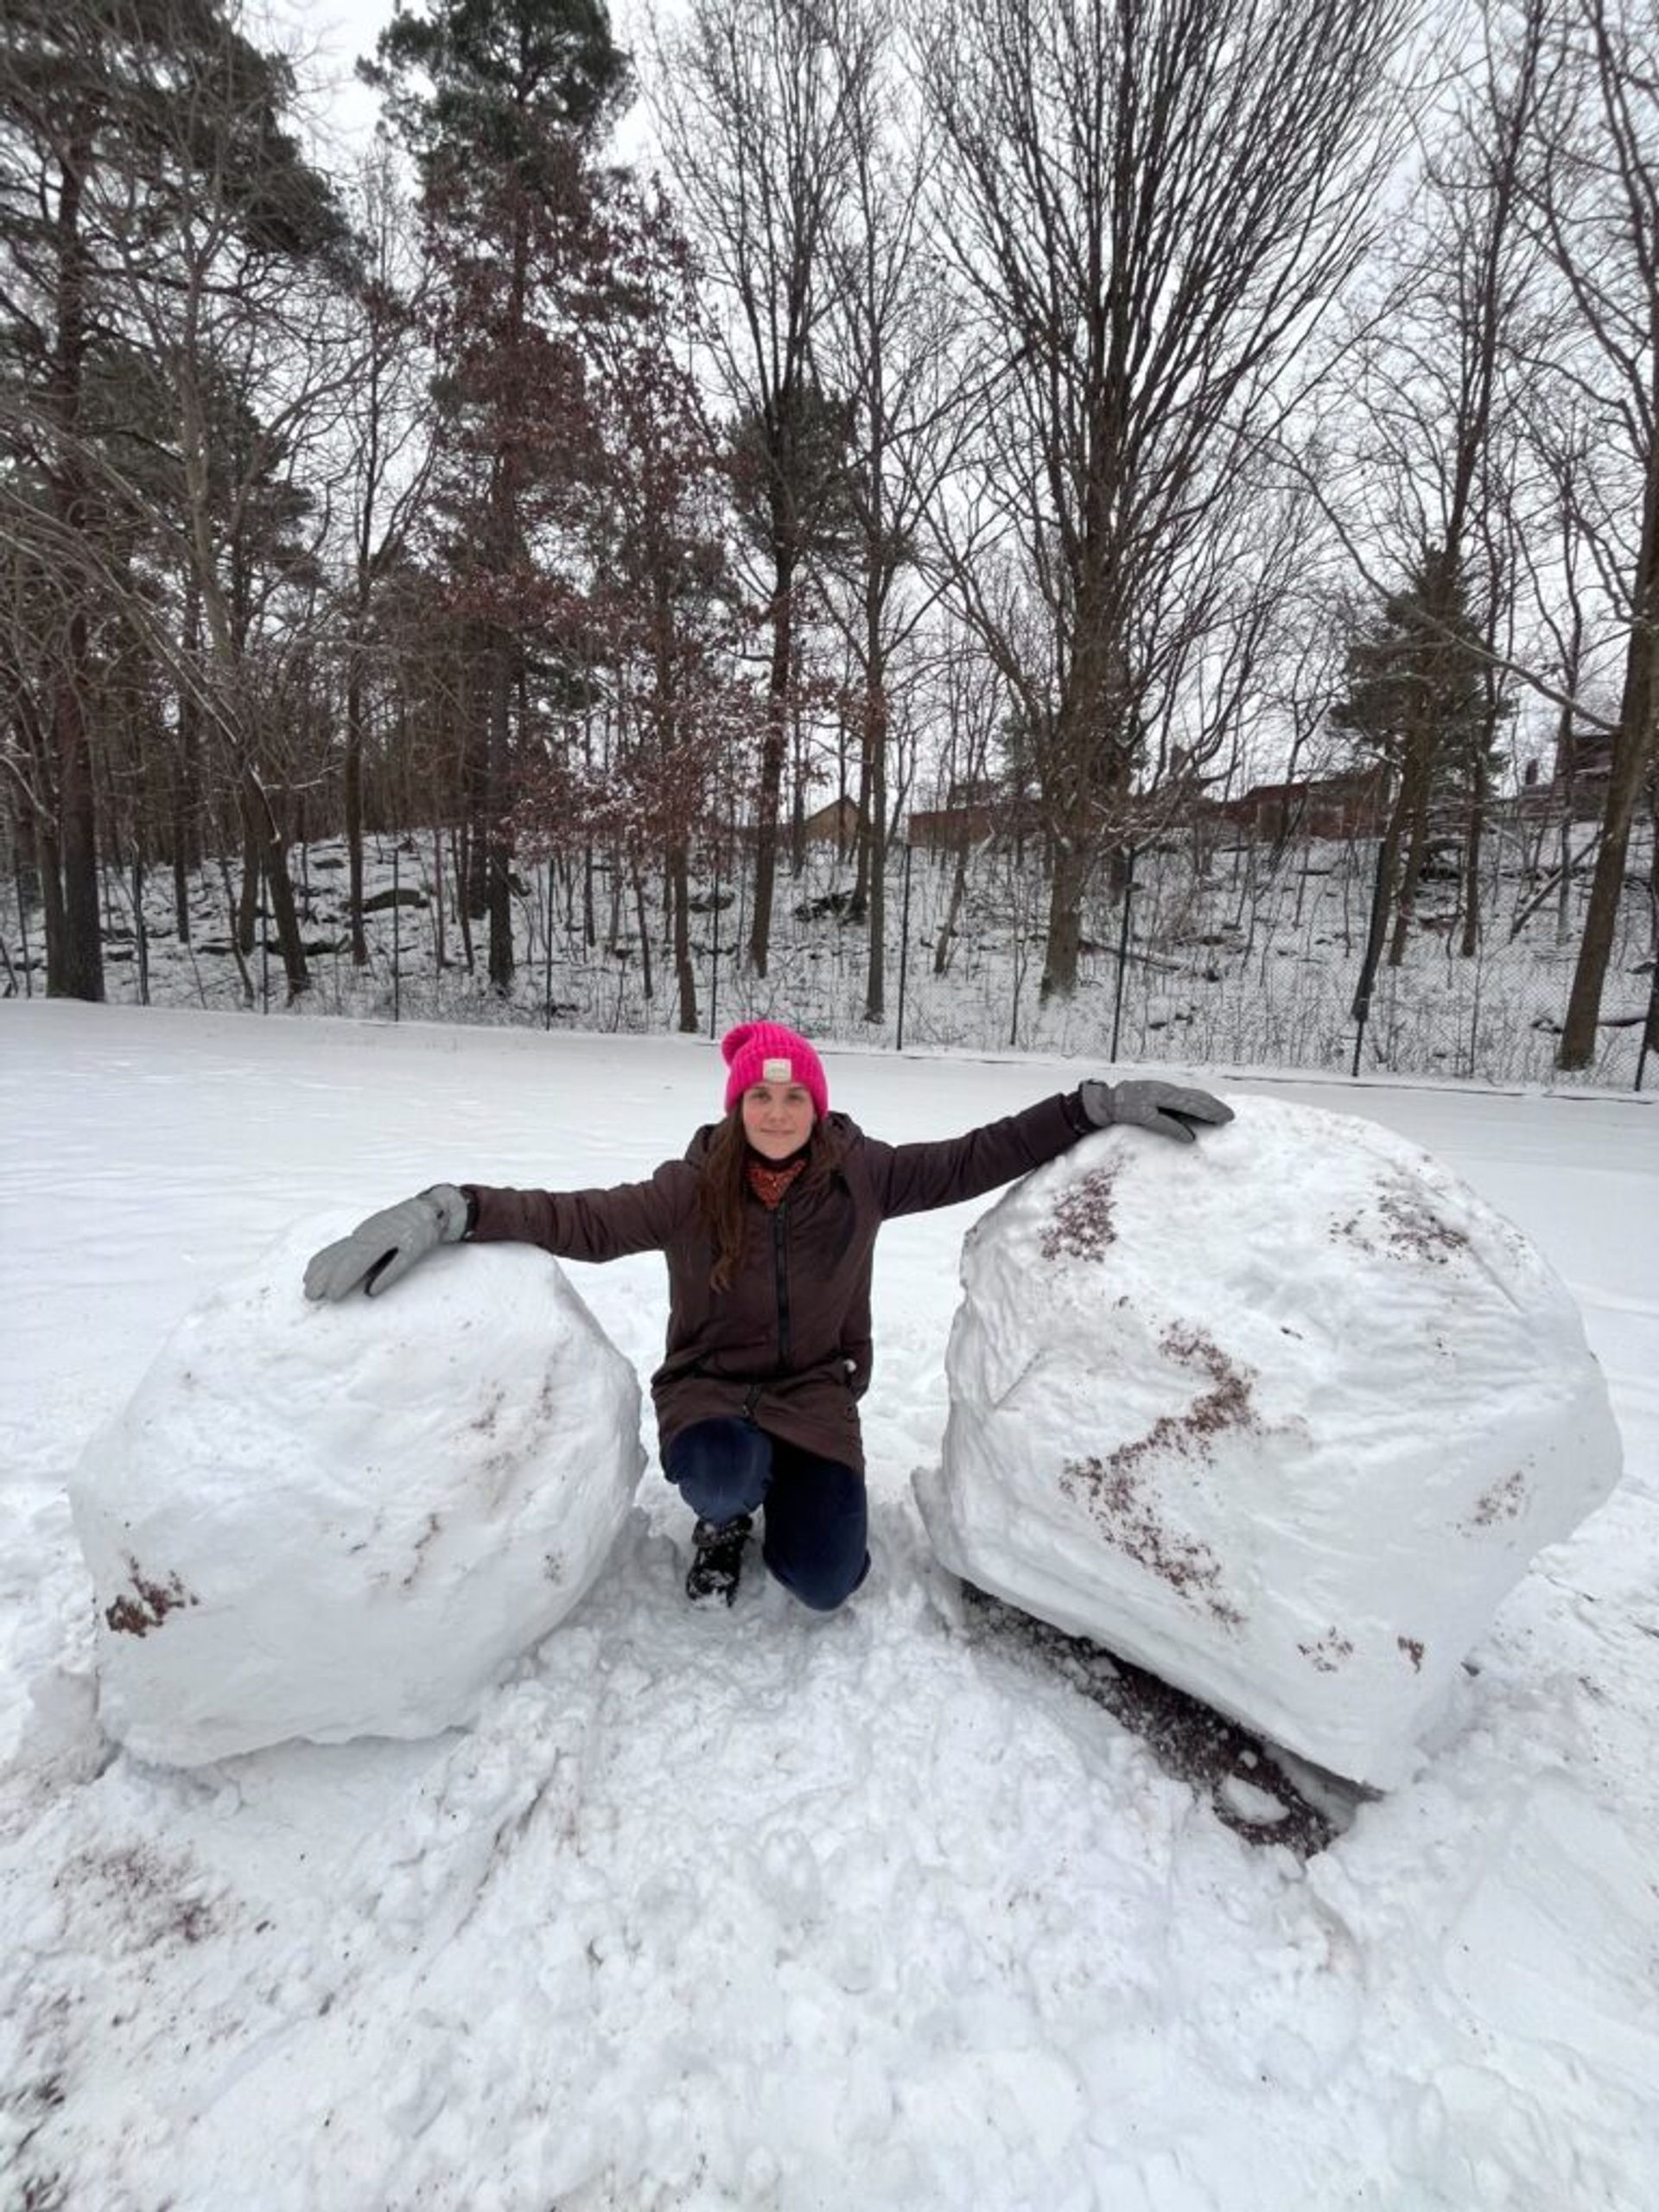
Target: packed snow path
x,y
763,1909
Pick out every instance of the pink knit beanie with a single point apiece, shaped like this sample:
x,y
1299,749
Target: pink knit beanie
x,y
765,1052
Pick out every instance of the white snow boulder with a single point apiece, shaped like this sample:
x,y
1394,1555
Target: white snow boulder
x,y
340,1521
1280,1417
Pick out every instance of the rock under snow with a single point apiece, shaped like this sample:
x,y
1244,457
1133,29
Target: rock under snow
x,y
1280,1415
339,1521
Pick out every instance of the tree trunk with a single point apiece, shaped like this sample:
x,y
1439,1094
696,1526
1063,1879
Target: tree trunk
x,y
685,973
49,868
1410,882
644,928
187,776
439,958
1634,748
1064,941
1474,831
247,901
353,792
183,809
81,964
140,934
1094,746
861,906
474,784
772,764
1388,859
1564,894
945,944
265,837
1415,782
463,912
875,838
77,969
797,795
497,851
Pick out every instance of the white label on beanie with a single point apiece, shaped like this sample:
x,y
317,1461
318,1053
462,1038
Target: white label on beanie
x,y
776,1071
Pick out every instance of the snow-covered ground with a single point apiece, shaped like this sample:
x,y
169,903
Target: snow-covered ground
x,y
769,1909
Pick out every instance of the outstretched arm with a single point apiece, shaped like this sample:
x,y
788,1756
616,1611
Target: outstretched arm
x,y
574,1224
603,1224
913,1178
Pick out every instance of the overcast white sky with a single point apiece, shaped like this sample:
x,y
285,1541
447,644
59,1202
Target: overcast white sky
x,y
335,31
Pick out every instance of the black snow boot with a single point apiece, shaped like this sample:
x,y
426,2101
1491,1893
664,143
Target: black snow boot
x,y
717,1563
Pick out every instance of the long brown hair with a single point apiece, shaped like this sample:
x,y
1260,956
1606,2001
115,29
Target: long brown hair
x,y
725,1190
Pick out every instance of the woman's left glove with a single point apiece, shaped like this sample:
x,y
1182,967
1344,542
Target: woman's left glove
x,y
388,1244
1170,1109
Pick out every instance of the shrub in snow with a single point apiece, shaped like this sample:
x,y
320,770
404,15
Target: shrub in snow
x,y
339,1521
1280,1415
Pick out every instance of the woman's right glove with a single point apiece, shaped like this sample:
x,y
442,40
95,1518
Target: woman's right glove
x,y
1170,1109
388,1244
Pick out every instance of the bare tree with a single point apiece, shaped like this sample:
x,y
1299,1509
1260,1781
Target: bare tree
x,y
1431,473
155,275
758,103
77,103
242,310
665,594
887,348
1481,291
1149,202
388,432
972,701
1555,553
1596,209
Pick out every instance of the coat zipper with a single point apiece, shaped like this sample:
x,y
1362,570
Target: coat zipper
x,y
778,1250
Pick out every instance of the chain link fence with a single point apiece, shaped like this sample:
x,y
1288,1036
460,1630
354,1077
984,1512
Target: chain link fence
x,y
1248,955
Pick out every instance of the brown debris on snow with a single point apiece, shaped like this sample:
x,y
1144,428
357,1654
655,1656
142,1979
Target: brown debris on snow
x,y
159,1897
1189,1567
1503,1501
1225,1405
1328,1652
1081,1227
1188,1739
155,1601
1407,1226
1111,1487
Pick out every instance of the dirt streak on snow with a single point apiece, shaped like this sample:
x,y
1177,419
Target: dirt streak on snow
x,y
770,1909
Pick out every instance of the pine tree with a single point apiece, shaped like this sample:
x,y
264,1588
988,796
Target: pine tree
x,y
502,103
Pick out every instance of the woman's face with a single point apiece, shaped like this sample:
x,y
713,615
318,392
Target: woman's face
x,y
777,1118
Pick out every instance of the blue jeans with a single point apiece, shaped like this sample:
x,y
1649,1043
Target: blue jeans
x,y
816,1528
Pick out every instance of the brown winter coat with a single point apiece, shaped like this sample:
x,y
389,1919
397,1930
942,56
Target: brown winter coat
x,y
788,1345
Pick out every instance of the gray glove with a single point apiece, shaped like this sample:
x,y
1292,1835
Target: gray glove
x,y
1166,1106
388,1244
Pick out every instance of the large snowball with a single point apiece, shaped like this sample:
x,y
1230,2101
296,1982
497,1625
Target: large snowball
x,y
1280,1415
337,1520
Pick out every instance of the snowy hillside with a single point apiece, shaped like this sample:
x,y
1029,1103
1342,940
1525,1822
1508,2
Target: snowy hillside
x,y
769,1909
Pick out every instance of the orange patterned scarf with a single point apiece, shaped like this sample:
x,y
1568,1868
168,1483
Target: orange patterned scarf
x,y
770,1184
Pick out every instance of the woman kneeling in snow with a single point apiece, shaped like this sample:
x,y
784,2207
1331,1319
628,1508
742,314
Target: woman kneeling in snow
x,y
768,1225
